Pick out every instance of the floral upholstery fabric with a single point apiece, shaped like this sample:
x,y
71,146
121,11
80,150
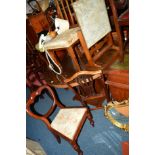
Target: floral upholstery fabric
x,y
68,120
63,40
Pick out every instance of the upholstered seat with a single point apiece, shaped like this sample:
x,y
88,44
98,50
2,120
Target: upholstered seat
x,y
67,123
68,120
63,40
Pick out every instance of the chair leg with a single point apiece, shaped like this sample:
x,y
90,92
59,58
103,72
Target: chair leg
x,y
77,148
90,117
57,138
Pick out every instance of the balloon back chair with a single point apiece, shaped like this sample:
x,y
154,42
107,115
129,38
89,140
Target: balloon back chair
x,y
67,123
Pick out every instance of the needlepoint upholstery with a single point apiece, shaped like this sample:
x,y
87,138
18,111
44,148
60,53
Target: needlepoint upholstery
x,y
68,120
63,40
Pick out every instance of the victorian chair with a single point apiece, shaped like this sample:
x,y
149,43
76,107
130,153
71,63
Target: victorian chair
x,y
68,121
88,87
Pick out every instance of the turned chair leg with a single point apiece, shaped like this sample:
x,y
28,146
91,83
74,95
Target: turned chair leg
x,y
77,148
89,116
57,138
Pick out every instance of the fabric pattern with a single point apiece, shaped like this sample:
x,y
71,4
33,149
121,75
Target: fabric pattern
x,y
63,40
68,120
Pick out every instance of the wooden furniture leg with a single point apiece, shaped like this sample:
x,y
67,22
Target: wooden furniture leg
x,y
73,57
77,148
53,56
85,49
57,138
120,41
89,116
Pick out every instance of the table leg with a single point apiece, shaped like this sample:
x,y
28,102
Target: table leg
x,y
73,57
53,56
85,49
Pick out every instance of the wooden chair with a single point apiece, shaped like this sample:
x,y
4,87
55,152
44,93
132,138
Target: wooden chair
x,y
74,36
119,19
65,11
67,123
88,87
70,38
36,64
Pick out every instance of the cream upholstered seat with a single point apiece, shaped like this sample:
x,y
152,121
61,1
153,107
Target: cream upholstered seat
x,y
68,120
63,40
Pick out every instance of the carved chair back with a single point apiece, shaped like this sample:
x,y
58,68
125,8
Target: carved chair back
x,y
67,123
90,87
31,101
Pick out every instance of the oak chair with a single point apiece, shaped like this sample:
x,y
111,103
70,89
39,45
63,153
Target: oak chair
x,y
67,40
119,15
88,87
65,11
68,121
92,50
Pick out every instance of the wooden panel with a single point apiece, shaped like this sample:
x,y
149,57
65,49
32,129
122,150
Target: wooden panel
x,y
118,81
39,22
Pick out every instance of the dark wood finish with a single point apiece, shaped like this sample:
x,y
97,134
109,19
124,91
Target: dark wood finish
x,y
39,22
38,19
117,27
36,64
71,53
74,59
89,87
118,83
45,117
120,20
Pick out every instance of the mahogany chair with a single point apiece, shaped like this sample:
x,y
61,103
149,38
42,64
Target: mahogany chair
x,y
68,121
88,87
